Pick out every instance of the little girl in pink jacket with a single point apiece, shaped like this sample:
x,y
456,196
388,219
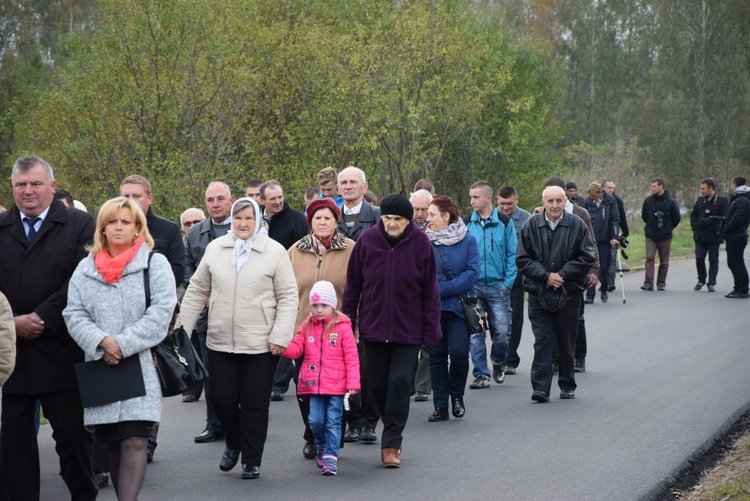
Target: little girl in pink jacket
x,y
329,370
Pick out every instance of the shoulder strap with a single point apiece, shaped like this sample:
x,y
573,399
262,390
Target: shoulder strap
x,y
440,260
146,282
503,218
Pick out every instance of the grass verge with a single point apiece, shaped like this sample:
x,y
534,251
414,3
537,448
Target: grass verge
x,y
683,246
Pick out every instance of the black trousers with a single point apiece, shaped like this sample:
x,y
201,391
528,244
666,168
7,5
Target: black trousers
x,y
712,251
20,453
364,411
581,344
516,326
390,367
736,262
240,387
605,258
303,402
554,329
198,339
284,374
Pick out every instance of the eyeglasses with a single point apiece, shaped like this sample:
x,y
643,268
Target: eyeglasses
x,y
191,223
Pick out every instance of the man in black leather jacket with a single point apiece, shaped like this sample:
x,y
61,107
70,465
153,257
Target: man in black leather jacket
x,y
706,220
555,254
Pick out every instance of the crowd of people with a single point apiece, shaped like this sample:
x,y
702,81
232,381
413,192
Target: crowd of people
x,y
361,304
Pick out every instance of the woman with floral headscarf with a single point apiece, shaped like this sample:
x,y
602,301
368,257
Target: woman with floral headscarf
x,y
248,282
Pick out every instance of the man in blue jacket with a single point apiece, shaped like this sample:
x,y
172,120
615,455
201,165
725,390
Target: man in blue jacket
x,y
497,240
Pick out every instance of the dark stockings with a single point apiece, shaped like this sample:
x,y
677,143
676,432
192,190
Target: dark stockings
x,y
127,466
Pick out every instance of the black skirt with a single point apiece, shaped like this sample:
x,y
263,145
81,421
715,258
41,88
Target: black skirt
x,y
114,432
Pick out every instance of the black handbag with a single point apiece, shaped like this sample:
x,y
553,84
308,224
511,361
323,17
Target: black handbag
x,y
177,363
474,313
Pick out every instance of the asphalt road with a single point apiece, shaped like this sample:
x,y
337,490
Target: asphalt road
x,y
664,372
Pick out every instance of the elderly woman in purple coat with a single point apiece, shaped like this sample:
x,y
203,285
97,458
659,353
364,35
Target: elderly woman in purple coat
x,y
392,297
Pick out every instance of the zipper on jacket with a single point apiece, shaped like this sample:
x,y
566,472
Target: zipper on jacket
x,y
320,355
234,307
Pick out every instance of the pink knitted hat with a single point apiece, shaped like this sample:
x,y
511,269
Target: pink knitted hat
x,y
323,293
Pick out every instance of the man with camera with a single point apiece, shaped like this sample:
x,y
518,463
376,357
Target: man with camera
x,y
605,219
609,187
661,214
706,220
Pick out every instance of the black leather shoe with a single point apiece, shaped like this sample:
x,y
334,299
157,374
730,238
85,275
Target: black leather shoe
x,y
567,394
308,451
189,398
368,435
250,472
457,407
439,415
421,396
540,396
738,295
352,435
102,479
276,396
229,459
647,287
208,436
580,365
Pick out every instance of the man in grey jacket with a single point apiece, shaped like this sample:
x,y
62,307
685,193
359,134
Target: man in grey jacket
x,y
219,202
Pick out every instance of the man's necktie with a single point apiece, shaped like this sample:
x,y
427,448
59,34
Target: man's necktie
x,y
31,222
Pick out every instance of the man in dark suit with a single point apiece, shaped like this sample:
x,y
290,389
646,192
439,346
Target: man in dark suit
x,y
167,241
42,242
286,226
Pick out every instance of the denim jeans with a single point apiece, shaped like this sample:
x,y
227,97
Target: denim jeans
x,y
496,301
326,413
449,380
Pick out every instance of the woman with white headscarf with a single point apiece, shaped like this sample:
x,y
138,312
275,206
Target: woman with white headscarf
x,y
248,282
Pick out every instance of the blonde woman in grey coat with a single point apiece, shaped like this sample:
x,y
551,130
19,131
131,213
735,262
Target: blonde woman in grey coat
x,y
108,318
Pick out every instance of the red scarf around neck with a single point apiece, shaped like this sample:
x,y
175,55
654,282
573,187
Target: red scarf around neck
x,y
110,267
